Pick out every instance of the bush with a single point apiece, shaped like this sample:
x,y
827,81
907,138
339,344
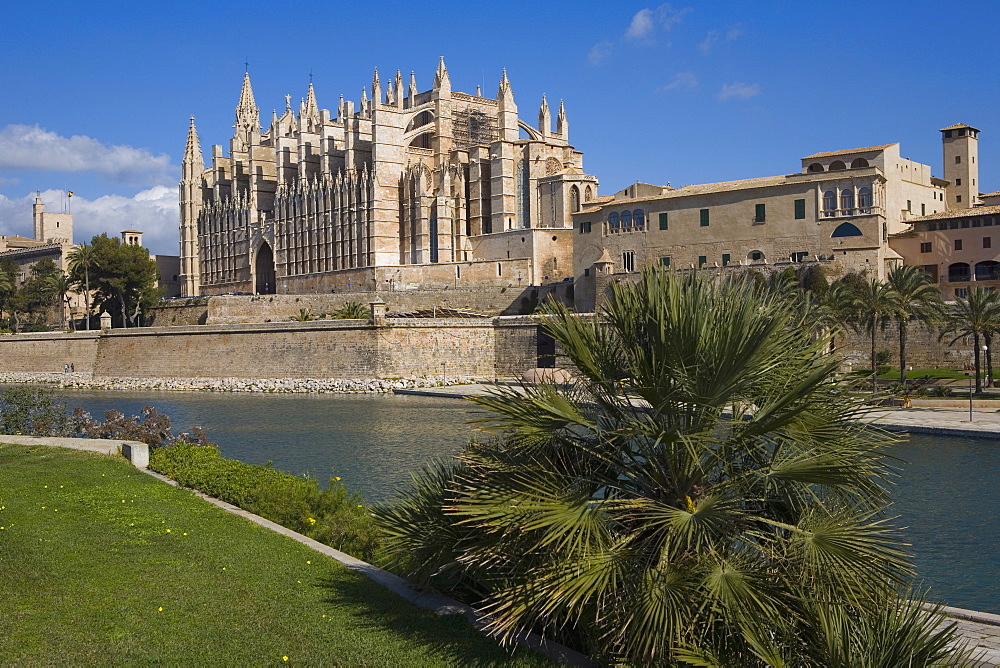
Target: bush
x,y
27,410
332,516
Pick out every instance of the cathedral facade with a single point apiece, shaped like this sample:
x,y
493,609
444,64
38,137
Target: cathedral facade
x,y
406,190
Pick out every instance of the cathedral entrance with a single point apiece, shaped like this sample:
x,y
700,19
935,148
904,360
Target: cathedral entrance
x,y
264,270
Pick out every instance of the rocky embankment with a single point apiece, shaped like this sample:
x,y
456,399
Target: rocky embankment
x,y
346,385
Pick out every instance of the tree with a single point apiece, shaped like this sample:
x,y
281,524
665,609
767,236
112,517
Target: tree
x,y
123,278
915,298
32,299
61,285
82,260
973,317
866,306
7,284
702,494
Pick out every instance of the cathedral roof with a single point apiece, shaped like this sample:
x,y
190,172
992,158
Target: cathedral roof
x,y
959,126
960,213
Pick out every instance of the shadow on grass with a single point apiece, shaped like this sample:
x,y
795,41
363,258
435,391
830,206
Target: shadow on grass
x,y
451,636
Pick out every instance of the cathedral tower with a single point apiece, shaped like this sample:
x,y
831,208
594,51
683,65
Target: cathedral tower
x,y
191,202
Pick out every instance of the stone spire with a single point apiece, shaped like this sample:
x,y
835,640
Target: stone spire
x,y
364,101
247,126
441,78
504,92
544,118
376,89
413,88
194,163
562,125
398,89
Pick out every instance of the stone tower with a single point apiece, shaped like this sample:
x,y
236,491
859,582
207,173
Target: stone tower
x,y
192,168
960,145
52,227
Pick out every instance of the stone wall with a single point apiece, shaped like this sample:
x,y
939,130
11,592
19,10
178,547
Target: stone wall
x,y
923,350
178,313
474,348
48,351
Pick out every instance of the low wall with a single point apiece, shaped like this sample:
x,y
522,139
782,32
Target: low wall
x,y
48,351
473,348
923,350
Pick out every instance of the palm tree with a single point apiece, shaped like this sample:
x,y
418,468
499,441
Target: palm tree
x,y
61,286
82,259
973,317
866,306
7,286
916,298
701,494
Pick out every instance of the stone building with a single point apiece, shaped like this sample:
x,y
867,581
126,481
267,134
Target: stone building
x,y
406,189
840,210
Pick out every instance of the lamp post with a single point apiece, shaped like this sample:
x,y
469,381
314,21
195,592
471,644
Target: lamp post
x,y
986,349
970,396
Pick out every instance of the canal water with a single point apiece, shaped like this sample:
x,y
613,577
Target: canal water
x,y
945,495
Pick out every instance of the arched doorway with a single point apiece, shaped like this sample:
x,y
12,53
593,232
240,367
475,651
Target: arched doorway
x,y
264,270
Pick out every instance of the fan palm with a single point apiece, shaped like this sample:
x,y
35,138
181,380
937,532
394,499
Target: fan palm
x,y
82,259
973,317
916,298
867,306
701,495
7,286
61,285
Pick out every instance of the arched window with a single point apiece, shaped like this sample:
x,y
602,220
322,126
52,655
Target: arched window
x,y
829,203
988,271
846,230
958,272
815,167
859,163
638,218
755,256
837,165
574,199
588,194
847,202
865,200
626,219
613,220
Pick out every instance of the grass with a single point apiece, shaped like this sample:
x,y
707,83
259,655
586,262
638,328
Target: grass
x,y
914,374
104,565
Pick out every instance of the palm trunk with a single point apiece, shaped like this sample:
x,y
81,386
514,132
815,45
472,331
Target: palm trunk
x,y
874,370
902,350
988,341
979,381
86,299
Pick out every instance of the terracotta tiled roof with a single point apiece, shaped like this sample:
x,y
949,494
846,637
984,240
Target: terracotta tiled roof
x,y
992,194
866,149
960,213
958,126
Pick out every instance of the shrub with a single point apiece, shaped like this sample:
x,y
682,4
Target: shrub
x,y
27,410
332,516
352,311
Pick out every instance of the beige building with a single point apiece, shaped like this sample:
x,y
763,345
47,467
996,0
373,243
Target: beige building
x,y
839,210
403,190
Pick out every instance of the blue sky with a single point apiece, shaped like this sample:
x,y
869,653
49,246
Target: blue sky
x,y
96,95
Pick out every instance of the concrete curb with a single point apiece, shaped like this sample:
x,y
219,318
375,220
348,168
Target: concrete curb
x,y
136,452
427,599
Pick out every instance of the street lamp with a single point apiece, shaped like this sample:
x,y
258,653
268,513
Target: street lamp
x,y
986,349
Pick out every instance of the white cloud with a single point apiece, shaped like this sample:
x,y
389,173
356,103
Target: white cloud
x,y
32,147
732,32
153,211
646,21
681,80
641,26
599,52
710,39
738,91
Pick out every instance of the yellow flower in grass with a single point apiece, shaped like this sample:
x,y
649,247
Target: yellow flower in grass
x,y
311,520
284,658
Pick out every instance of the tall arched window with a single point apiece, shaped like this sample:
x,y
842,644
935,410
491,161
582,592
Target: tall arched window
x,y
829,203
865,200
523,186
847,202
626,219
588,194
613,220
638,218
574,199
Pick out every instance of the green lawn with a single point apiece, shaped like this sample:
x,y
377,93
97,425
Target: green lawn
x,y
104,565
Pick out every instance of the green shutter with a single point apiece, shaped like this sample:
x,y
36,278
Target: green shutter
x,y
663,221
759,213
665,261
800,209
725,259
704,217
702,259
